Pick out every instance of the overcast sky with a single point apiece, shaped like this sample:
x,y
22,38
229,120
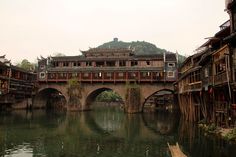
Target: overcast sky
x,y
30,28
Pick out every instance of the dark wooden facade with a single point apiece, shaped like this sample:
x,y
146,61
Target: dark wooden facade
x,y
108,65
206,87
16,84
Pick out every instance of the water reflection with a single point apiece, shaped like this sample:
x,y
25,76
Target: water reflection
x,y
102,132
197,143
163,122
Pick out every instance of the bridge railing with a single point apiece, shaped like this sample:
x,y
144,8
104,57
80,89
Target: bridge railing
x,y
108,77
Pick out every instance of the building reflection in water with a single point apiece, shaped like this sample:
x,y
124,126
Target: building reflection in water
x,y
102,132
163,122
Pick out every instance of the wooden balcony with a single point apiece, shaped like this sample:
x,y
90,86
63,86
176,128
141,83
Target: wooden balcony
x,y
221,78
207,81
191,87
196,86
186,88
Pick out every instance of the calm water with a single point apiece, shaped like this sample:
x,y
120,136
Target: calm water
x,y
103,132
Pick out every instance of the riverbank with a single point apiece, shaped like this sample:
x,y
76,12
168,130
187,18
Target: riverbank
x,y
228,134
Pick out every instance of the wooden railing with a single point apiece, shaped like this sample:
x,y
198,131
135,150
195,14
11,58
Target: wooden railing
x,y
186,88
221,78
107,77
196,86
207,81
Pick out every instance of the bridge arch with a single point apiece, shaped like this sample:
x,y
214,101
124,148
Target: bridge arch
x,y
160,92
91,96
50,97
169,91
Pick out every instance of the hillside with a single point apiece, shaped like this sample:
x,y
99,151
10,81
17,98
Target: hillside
x,y
140,47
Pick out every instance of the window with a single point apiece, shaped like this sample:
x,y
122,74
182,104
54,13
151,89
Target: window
x,y
170,74
109,74
171,64
65,64
159,63
134,63
122,63
55,64
74,75
86,74
159,74
111,63
133,74
197,76
206,72
100,64
121,74
148,62
42,75
95,75
220,66
146,74
88,63
74,64
52,75
62,75
42,67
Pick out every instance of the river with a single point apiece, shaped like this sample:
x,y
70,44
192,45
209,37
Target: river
x,y
104,132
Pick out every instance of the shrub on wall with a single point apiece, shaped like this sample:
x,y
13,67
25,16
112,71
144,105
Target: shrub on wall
x,y
74,88
132,97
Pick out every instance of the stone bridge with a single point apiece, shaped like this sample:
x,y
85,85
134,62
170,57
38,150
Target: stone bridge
x,y
90,91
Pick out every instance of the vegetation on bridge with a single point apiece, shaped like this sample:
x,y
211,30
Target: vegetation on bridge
x,y
132,97
74,91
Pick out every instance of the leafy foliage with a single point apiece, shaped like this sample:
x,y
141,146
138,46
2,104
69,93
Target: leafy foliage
x,y
73,82
208,128
140,47
131,85
25,64
110,96
212,127
231,135
74,88
181,59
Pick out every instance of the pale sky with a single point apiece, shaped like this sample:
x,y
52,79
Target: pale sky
x,y
30,28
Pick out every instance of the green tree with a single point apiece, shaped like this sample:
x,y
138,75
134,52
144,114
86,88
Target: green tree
x,y
139,47
25,64
108,96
